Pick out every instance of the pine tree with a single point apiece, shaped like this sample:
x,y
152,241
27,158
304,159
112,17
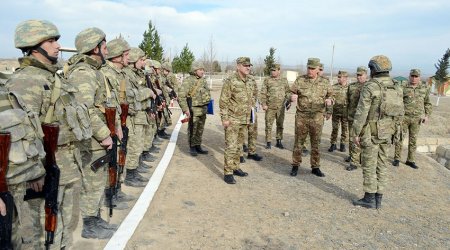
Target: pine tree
x,y
269,61
182,63
151,43
441,69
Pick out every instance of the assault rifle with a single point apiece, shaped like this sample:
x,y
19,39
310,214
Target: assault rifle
x,y
157,102
51,182
191,119
124,142
5,195
165,106
110,114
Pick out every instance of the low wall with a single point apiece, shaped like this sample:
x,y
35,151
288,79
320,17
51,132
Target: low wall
x,y
443,155
428,145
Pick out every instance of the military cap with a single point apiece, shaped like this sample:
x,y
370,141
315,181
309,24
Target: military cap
x,y
244,61
313,62
156,64
135,54
167,66
414,72
32,32
361,70
342,73
116,47
197,65
275,66
88,39
148,64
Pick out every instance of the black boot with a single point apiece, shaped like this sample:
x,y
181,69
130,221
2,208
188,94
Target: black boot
x,y
163,135
268,145
378,198
245,148
91,229
348,159
193,151
241,159
255,157
141,169
351,167
123,197
229,179
153,149
368,201
317,172
146,156
411,164
240,173
142,163
131,179
395,163
279,144
294,171
332,148
200,150
342,147
104,224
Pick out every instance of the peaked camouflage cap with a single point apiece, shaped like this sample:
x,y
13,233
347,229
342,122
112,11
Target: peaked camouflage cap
x,y
313,62
414,72
32,32
361,70
167,66
116,47
275,66
88,39
380,63
244,60
342,73
135,54
197,65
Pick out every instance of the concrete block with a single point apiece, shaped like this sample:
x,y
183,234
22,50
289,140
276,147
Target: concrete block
x,y
432,148
431,141
440,150
447,154
422,149
443,141
447,164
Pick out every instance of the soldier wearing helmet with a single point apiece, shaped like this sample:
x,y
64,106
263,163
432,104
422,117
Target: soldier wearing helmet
x,y
157,81
170,79
83,71
194,96
46,92
379,108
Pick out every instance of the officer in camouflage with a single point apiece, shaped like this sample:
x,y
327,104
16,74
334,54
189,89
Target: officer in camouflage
x,y
354,89
83,72
380,105
416,97
237,102
195,88
273,95
46,93
340,113
170,78
314,98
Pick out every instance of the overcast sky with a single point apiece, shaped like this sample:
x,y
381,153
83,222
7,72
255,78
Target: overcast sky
x,y
413,33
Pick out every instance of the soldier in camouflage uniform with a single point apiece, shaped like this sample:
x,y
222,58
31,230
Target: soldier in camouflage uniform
x,y
273,96
340,113
313,95
354,89
237,103
46,93
164,119
23,169
196,88
416,97
379,106
170,78
138,97
83,72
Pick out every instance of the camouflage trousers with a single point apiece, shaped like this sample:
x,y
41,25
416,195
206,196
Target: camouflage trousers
x,y
66,158
198,125
373,164
410,126
354,150
233,147
17,192
149,133
135,146
252,135
92,184
271,115
307,124
339,119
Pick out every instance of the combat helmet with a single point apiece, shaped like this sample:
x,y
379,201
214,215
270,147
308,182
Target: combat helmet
x,y
32,32
88,39
380,63
116,47
167,66
197,65
135,54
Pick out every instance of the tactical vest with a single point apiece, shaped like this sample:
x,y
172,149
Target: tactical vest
x,y
27,151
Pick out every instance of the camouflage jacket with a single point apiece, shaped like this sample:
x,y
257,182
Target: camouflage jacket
x,y
312,94
158,82
84,73
138,96
340,99
200,97
237,98
274,92
417,100
171,81
354,89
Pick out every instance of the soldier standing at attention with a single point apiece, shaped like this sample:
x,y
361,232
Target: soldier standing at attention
x,y
195,88
273,96
170,78
46,93
236,107
314,98
157,81
416,97
354,89
84,73
380,105
340,112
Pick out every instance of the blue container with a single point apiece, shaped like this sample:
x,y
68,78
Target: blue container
x,y
210,107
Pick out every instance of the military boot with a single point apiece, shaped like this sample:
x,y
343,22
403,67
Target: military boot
x,y
348,159
294,171
163,135
146,156
279,144
342,147
411,164
157,141
131,180
117,204
193,151
229,179
317,172
255,157
123,197
241,159
142,163
104,224
378,198
268,145
368,201
245,148
141,169
332,148
153,149
91,229
395,163
200,150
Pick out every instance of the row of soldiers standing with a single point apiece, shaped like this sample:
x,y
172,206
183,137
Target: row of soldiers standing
x,y
100,77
